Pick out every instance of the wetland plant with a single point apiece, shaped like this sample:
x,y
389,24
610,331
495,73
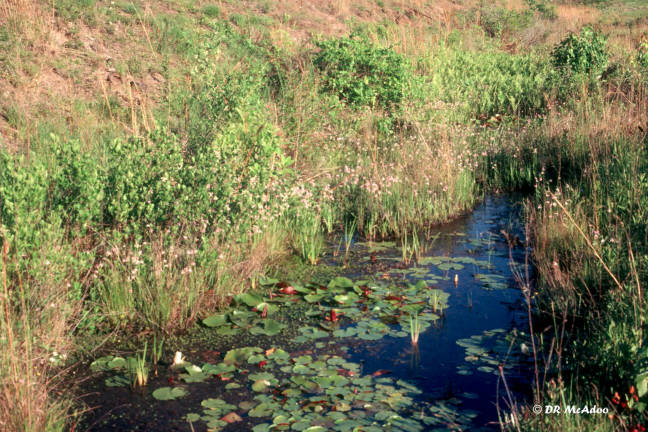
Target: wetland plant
x,y
349,231
438,300
415,329
410,250
138,371
156,351
309,242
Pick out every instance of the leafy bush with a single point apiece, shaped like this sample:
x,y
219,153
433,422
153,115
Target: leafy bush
x,y
144,181
583,53
361,73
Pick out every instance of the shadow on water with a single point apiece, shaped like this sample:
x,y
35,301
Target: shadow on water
x,y
454,367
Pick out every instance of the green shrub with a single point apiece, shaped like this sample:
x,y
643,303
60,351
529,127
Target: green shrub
x,y
77,190
144,181
362,73
583,53
24,188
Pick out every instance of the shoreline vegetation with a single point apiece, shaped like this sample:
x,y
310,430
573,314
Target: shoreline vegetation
x,y
158,158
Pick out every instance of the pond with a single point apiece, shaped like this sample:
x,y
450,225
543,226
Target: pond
x,y
383,346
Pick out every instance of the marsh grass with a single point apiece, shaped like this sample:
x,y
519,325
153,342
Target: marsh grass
x,y
34,346
137,369
308,239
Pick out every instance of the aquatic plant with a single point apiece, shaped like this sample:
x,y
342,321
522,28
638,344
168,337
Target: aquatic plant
x,y
137,369
308,238
156,350
349,232
415,329
438,300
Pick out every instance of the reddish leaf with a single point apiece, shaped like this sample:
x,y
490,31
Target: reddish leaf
x,y
334,317
231,418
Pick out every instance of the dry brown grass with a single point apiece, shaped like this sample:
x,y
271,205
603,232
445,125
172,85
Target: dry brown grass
x,y
580,15
623,113
23,15
37,321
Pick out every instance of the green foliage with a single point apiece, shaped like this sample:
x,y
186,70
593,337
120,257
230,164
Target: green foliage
x,y
501,21
71,10
211,10
144,182
583,53
489,83
362,73
642,55
543,7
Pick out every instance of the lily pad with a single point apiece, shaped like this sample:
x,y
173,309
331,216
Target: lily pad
x,y
215,320
169,393
269,327
239,356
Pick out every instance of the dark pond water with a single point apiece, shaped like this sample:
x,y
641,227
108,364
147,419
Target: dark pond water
x,y
355,368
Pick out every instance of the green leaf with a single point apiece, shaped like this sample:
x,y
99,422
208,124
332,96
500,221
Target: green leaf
x,y
341,282
169,393
642,384
239,356
252,300
215,320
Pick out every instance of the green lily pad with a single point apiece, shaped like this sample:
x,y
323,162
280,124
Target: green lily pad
x,y
340,282
313,298
117,363
215,320
261,410
169,393
250,299
117,381
270,328
192,417
261,385
239,356
218,405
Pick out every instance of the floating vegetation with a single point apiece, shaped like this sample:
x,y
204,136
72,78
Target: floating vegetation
x,y
169,393
377,246
492,281
369,304
492,349
307,393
